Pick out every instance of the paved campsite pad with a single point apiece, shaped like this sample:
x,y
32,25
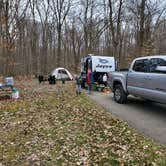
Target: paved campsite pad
x,y
49,125
146,117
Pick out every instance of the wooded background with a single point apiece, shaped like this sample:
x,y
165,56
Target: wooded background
x,y
38,35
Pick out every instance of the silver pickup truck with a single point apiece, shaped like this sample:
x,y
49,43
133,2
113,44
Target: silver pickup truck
x,y
146,78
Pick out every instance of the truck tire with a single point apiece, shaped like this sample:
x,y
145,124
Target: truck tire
x,y
119,94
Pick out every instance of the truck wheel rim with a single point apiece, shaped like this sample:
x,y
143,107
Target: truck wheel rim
x,y
117,94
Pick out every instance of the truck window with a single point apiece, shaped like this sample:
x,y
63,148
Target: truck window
x,y
154,62
141,65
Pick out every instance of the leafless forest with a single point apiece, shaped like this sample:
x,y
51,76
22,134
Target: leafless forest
x,y
38,35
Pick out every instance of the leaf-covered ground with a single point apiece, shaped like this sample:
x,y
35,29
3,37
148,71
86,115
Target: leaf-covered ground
x,y
50,125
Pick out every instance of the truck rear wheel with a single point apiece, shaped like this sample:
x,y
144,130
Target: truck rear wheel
x,y
119,94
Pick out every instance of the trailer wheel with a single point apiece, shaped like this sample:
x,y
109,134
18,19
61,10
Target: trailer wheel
x,y
119,94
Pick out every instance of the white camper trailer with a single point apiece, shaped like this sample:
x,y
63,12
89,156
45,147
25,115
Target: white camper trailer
x,y
97,64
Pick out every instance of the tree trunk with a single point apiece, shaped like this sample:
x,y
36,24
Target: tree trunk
x,y
58,62
142,23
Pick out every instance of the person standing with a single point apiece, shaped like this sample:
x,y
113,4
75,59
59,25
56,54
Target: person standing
x,y
78,85
90,81
105,80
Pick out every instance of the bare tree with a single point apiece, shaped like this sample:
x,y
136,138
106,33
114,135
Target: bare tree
x,y
60,10
38,35
11,12
43,8
115,27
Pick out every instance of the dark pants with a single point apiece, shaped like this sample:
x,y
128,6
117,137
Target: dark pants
x,y
105,83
